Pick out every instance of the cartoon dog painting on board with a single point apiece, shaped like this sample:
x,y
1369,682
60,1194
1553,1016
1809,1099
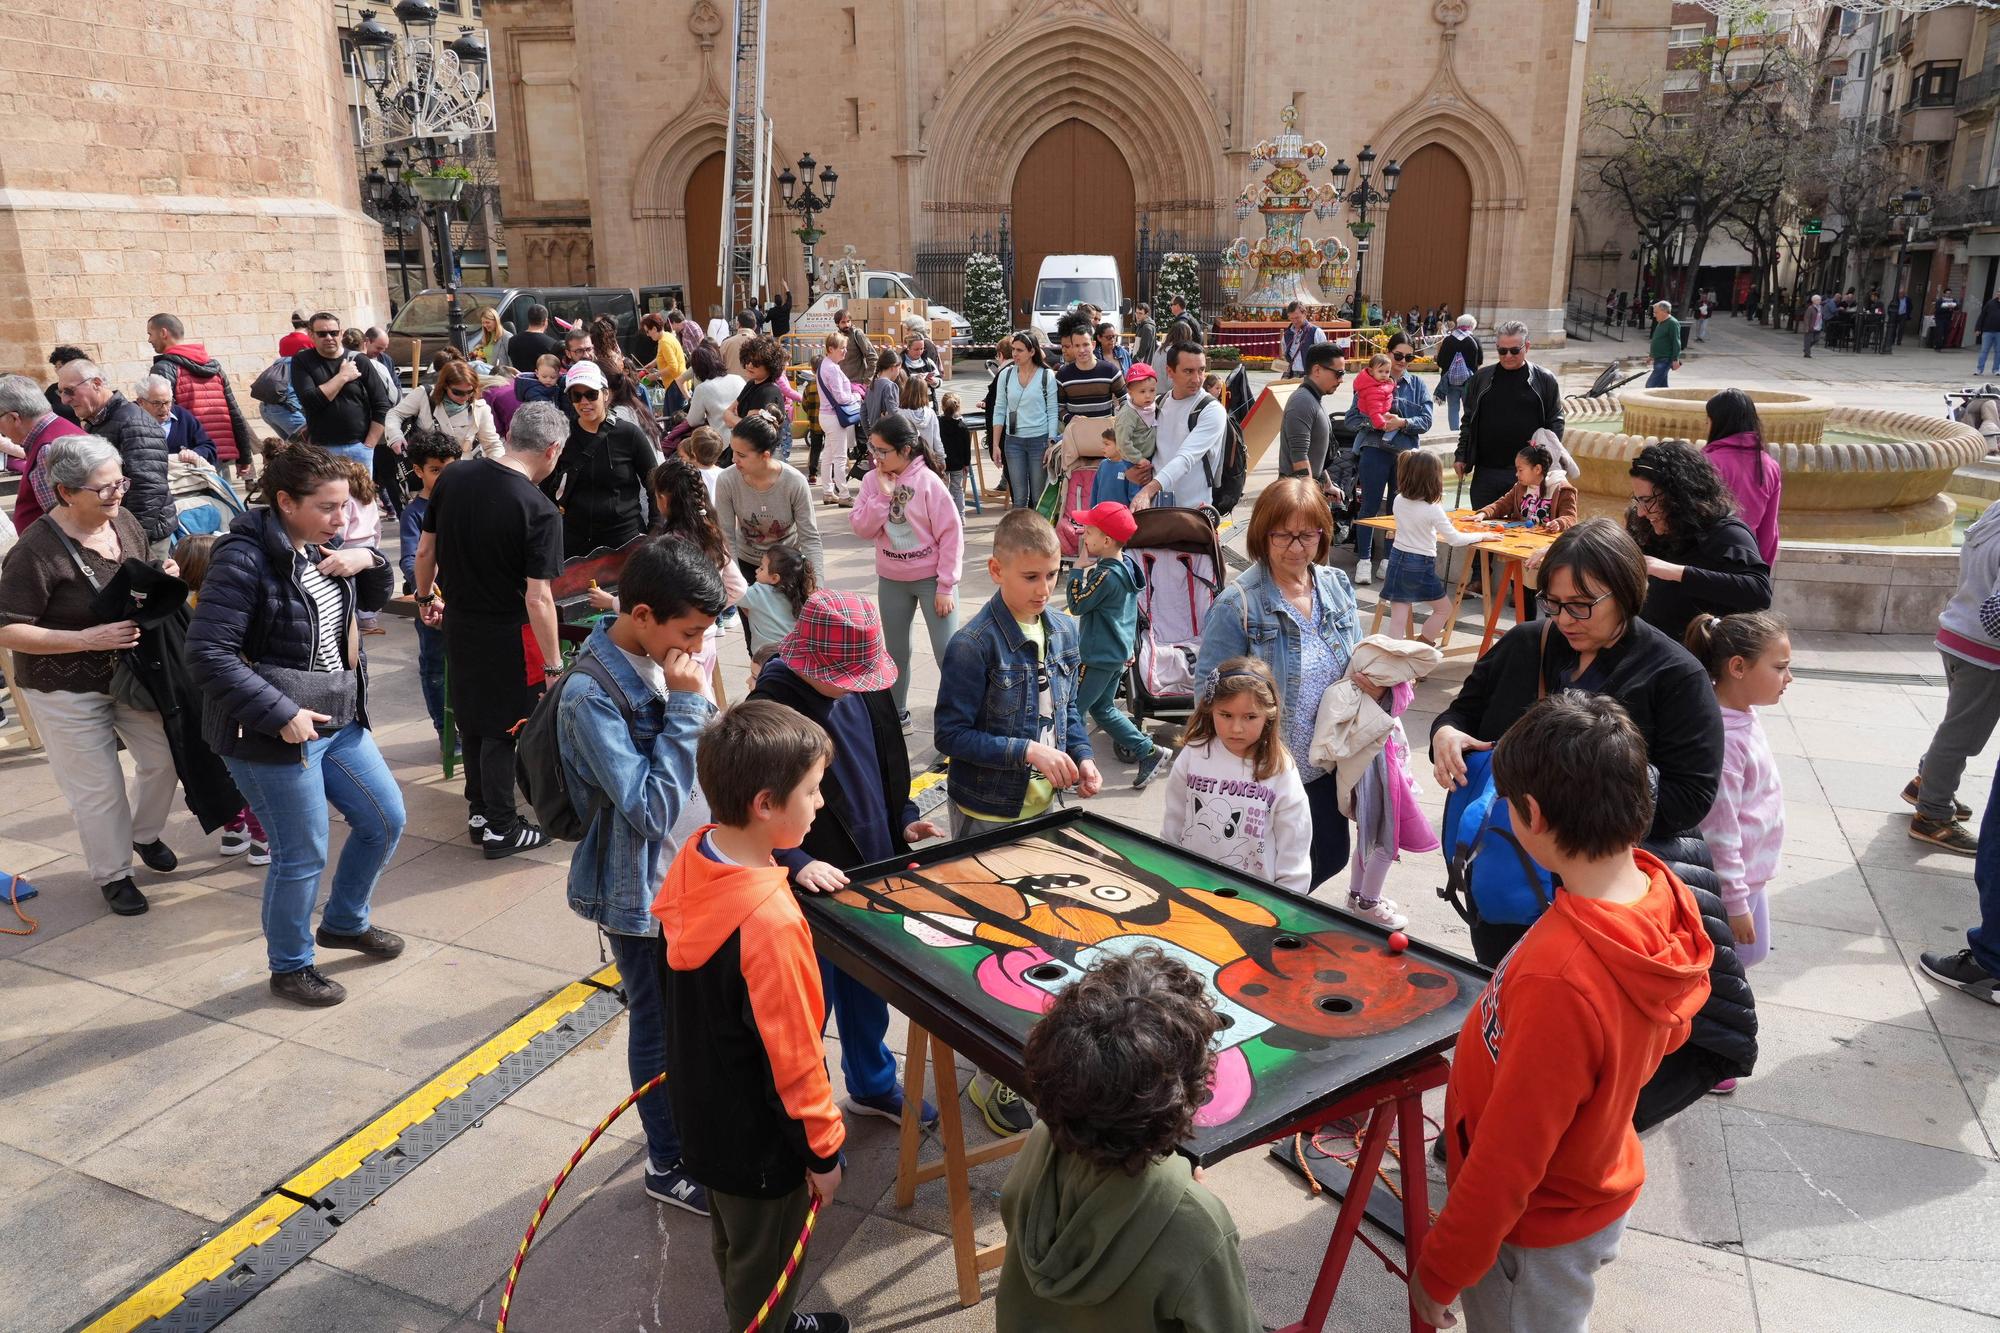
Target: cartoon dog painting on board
x,y
1050,906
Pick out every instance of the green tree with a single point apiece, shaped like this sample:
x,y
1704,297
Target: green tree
x,y
1179,277
985,298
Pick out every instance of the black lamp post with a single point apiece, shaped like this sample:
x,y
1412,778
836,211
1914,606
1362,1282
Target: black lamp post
x,y
1362,197
1906,208
396,207
807,205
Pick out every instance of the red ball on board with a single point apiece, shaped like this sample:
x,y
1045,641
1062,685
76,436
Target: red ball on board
x,y
1398,941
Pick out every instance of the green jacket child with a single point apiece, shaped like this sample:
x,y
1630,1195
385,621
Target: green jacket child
x,y
1104,598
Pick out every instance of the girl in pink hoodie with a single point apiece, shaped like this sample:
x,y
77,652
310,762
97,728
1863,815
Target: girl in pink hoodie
x,y
1749,657
1736,447
906,509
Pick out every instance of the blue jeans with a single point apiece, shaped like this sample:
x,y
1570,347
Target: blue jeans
x,y
640,960
1454,399
363,454
863,1016
1985,937
287,421
430,672
1378,469
1658,379
290,800
1989,345
1097,696
1026,475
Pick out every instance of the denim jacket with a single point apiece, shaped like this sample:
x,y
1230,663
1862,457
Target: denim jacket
x,y
1249,620
1411,401
986,732
647,769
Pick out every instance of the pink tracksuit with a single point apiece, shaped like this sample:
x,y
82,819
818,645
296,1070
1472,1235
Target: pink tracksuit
x,y
1745,828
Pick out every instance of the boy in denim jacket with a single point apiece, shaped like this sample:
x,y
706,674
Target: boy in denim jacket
x,y
1020,739
633,755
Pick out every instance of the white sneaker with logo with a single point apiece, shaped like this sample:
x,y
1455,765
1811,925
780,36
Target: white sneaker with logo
x,y
1382,912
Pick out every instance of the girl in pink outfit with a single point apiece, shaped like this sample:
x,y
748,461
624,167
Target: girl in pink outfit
x,y
1736,447
1749,657
1375,389
906,509
1387,818
361,525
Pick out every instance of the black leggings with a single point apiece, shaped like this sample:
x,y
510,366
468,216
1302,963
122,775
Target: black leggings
x,y
1329,831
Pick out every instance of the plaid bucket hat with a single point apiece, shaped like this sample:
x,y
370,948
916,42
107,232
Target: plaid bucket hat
x,y
838,641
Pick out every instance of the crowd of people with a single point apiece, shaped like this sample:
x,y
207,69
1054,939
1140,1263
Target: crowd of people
x,y
1615,731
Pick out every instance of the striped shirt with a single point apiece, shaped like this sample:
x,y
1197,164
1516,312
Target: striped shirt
x,y
1090,393
329,608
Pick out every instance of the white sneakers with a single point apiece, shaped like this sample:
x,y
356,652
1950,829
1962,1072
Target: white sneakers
x,y
1364,573
1382,912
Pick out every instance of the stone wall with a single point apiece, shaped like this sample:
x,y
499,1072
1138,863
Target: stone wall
x,y
605,111
177,156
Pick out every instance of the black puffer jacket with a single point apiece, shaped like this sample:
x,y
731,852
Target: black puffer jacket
x,y
143,450
253,609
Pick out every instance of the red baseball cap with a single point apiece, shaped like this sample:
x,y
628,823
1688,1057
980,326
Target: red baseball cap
x,y
1114,520
1139,371
838,641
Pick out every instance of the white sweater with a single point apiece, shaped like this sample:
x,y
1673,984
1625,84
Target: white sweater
x,y
1218,809
1421,524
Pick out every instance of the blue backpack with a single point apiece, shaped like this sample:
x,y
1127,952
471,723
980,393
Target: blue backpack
x,y
1488,876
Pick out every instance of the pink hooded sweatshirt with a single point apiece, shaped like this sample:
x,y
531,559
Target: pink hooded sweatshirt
x,y
1753,477
917,530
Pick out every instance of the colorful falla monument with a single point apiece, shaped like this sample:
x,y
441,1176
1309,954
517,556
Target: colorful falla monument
x,y
1261,277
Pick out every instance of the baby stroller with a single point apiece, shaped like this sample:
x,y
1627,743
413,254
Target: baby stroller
x,y
1071,463
1179,559
204,501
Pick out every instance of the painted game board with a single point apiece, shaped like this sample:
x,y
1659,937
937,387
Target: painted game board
x,y
976,941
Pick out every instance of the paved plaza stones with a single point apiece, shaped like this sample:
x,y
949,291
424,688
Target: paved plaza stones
x,y
150,1087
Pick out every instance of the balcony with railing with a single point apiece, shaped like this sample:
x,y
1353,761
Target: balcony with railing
x,y
1980,92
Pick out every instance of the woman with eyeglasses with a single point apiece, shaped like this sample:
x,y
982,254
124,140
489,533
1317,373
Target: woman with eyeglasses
x,y
1297,613
599,482
1591,638
1409,416
1701,559
451,407
64,657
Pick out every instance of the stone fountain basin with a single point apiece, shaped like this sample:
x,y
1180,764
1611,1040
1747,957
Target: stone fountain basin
x,y
1887,485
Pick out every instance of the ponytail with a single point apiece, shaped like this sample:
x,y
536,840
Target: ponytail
x,y
1716,640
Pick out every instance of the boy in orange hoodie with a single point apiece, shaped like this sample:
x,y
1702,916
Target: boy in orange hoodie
x,y
1540,1152
745,1068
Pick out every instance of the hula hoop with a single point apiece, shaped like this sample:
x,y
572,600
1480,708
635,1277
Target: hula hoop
x,y
534,1224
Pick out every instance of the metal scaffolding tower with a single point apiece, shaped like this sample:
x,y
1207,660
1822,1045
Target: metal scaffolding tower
x,y
746,167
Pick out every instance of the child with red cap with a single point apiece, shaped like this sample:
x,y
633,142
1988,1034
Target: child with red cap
x,y
1104,598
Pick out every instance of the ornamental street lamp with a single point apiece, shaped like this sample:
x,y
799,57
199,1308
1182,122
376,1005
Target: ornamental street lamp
x,y
1362,197
396,207
807,205
1906,208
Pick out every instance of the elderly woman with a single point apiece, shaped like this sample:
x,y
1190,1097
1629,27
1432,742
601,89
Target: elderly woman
x,y
599,482
1458,355
490,343
451,407
1297,614
1593,586
836,394
1409,416
64,658
276,646
1700,557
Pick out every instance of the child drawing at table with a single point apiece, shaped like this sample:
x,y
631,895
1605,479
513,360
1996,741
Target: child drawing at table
x,y
1421,523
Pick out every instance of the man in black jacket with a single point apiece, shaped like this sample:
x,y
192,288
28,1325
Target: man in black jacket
x,y
834,669
141,447
1505,404
344,402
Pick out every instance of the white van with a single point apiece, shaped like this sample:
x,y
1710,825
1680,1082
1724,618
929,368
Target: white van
x,y
1066,280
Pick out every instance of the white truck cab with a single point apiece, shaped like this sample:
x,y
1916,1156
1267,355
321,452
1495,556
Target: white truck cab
x,y
1066,280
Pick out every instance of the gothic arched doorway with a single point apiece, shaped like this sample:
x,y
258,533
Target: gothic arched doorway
x,y
1072,195
703,214
1429,234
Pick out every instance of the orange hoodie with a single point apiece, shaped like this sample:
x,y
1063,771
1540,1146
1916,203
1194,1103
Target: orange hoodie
x,y
746,1072
1538,1118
